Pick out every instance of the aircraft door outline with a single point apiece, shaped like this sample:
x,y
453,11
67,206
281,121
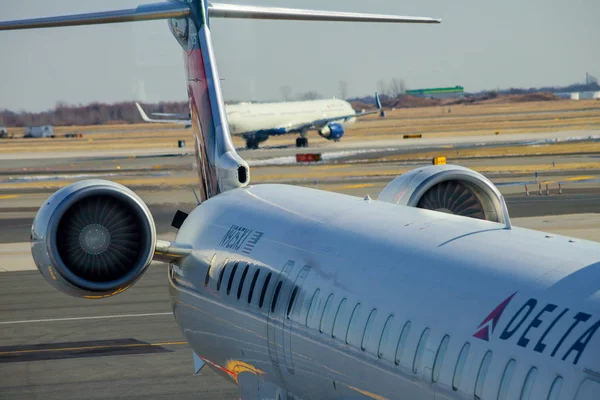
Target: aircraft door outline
x,y
276,315
287,322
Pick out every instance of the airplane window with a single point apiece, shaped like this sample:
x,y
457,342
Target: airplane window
x,y
367,331
589,389
460,365
555,389
292,301
235,266
483,369
337,319
264,290
402,342
241,285
352,323
252,284
385,336
310,317
528,385
276,296
325,311
420,349
439,359
221,277
506,378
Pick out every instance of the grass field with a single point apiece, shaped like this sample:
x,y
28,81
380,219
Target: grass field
x,y
462,120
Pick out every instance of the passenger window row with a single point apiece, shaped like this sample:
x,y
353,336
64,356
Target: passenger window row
x,y
341,322
344,325
263,285
507,376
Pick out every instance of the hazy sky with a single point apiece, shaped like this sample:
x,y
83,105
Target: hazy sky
x,y
479,44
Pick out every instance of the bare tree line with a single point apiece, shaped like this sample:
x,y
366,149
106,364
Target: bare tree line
x,y
126,112
394,89
91,114
287,94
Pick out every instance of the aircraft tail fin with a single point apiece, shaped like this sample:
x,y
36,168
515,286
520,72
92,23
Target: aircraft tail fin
x,y
146,118
379,106
142,113
220,168
377,101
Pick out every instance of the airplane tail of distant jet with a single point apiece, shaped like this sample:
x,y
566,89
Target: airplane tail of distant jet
x,y
220,168
379,106
145,117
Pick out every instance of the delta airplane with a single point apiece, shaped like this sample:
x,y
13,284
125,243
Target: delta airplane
x,y
427,292
255,122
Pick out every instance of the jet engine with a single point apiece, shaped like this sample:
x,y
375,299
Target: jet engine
x,y
93,239
332,131
448,188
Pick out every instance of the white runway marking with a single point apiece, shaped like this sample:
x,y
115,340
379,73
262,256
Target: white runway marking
x,y
32,321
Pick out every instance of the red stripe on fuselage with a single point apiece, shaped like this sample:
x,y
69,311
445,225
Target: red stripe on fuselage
x,y
202,122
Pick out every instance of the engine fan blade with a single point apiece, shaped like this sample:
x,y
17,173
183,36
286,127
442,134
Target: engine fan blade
x,y
452,197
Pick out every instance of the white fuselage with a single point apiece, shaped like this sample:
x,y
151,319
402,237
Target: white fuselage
x,y
250,117
298,291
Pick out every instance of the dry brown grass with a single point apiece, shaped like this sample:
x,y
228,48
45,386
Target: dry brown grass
x,y
494,109
464,120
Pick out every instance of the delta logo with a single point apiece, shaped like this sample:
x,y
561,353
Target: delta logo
x,y
490,322
535,322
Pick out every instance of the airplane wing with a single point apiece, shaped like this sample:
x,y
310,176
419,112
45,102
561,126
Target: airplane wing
x,y
145,117
320,123
172,115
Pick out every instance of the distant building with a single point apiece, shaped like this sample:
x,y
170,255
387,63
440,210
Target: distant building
x,y
438,93
39,131
585,95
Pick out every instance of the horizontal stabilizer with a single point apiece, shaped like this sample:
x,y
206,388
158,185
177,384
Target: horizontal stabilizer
x,y
253,12
173,9
142,13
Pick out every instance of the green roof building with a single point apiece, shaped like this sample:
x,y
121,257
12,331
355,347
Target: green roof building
x,y
438,93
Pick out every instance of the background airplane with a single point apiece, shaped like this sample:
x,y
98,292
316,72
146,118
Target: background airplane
x,y
256,122
297,293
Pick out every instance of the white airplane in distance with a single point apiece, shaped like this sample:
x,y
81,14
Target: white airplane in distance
x,y
426,293
256,122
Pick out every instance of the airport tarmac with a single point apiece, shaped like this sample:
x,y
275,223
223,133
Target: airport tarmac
x,y
97,352
54,346
57,347
17,213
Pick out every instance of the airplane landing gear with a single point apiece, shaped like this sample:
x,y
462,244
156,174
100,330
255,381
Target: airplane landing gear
x,y
301,142
252,144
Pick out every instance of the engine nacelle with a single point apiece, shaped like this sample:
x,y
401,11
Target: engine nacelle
x,y
332,131
448,188
93,239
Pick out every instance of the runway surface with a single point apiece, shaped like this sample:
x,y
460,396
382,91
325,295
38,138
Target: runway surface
x,y
53,346
90,356
15,222
128,347
372,144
